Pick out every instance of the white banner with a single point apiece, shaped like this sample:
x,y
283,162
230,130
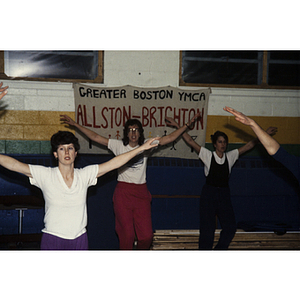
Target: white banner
x,y
105,111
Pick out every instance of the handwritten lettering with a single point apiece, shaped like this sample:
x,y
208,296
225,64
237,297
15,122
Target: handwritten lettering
x,y
114,117
153,95
102,93
189,96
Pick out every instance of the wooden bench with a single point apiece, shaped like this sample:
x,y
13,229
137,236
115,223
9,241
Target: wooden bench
x,y
188,240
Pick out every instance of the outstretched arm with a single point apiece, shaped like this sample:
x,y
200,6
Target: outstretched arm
x,y
14,165
268,142
122,159
3,91
186,136
251,144
89,133
180,130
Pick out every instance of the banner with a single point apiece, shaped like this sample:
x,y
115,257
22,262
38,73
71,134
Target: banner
x,y
105,110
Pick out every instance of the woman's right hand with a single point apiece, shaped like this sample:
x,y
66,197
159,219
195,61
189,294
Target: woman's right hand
x,y
66,119
171,122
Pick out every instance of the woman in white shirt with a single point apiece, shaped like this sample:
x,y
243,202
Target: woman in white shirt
x,y
65,189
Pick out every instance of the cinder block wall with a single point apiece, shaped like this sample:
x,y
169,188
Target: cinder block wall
x,y
31,115
30,112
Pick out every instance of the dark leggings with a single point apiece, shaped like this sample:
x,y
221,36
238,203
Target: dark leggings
x,y
215,201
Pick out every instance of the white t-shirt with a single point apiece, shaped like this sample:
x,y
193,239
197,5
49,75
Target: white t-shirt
x,y
65,208
205,156
135,170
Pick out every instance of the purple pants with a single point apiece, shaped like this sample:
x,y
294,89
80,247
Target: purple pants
x,y
52,242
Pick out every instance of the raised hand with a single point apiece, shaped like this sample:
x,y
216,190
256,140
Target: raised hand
x,y
3,91
265,138
195,117
239,116
171,122
271,130
66,119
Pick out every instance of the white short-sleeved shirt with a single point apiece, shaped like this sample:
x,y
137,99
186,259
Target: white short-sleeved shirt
x,y
65,208
205,156
135,170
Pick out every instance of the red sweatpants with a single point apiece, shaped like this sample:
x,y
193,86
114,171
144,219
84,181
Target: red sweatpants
x,y
132,207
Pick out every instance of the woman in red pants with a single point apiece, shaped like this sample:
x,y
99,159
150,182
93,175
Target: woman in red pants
x,y
132,199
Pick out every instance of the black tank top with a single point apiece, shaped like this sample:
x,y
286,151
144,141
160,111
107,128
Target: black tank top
x,y
218,175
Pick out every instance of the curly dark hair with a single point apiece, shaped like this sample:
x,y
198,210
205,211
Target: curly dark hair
x,y
215,136
64,138
132,122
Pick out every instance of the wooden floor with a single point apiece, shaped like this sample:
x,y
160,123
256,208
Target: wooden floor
x,y
188,240
182,240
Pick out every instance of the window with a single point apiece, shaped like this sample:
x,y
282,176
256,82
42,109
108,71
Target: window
x,y
83,66
263,69
284,68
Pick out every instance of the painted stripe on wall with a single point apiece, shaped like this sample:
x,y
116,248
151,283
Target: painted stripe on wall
x,y
31,125
40,125
288,128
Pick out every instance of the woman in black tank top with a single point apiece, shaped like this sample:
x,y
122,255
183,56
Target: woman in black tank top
x,y
215,196
215,199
